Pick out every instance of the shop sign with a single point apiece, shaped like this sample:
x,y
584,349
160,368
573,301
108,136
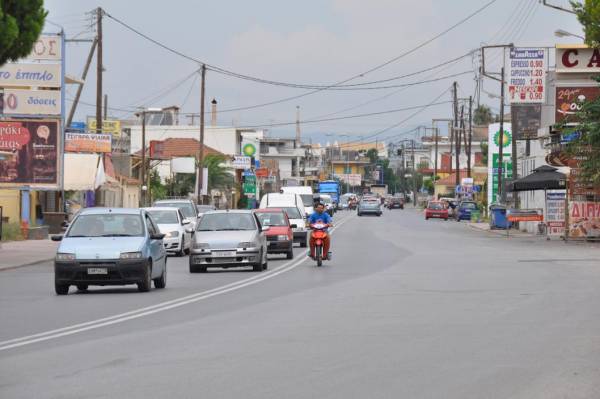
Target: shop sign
x,y
109,126
240,162
493,158
34,147
30,102
47,48
262,172
87,142
577,58
525,215
555,213
37,75
570,99
584,219
527,75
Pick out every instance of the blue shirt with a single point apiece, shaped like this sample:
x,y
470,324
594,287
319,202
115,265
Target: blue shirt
x,y
316,217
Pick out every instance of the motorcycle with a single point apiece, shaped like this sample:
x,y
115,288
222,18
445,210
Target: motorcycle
x,y
319,233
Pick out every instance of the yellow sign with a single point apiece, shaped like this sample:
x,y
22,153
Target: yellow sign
x,y
110,126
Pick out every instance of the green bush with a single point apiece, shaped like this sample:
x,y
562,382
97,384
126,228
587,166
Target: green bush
x,y
11,232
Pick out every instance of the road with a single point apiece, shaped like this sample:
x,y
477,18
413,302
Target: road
x,y
406,309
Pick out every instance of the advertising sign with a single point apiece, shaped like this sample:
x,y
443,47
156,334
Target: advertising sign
x,y
249,185
38,75
494,155
34,148
109,126
353,179
569,100
524,215
555,213
577,58
527,76
87,142
262,172
240,162
526,120
584,219
30,102
47,47
183,165
250,146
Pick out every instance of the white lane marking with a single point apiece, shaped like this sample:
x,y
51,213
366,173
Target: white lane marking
x,y
171,304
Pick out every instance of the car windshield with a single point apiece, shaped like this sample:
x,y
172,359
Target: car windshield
x,y
468,205
185,207
164,217
326,200
226,221
293,213
435,205
107,225
307,199
204,208
271,218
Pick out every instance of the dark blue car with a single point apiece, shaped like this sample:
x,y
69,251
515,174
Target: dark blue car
x,y
463,211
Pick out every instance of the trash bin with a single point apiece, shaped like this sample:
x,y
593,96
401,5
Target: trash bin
x,y
498,218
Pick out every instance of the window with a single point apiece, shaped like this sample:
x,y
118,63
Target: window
x,y
271,219
150,226
164,217
226,221
107,225
293,213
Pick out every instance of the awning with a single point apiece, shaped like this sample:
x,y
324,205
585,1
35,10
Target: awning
x,y
81,172
543,178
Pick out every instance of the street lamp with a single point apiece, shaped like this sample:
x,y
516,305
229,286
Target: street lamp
x,y
564,33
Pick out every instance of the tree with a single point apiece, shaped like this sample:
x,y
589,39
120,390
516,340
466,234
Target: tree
x,y
219,176
157,189
483,115
588,14
21,22
373,155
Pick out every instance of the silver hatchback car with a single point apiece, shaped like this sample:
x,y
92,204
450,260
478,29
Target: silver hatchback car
x,y
231,238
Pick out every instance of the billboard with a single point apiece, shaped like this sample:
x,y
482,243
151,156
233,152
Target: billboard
x,y
37,75
584,219
241,162
109,126
526,120
569,99
577,58
30,102
494,158
555,213
527,75
32,146
47,48
87,142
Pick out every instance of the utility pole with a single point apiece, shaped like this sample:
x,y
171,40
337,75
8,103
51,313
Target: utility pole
x,y
469,147
80,87
456,132
144,183
99,13
501,138
414,173
105,105
297,126
201,151
435,162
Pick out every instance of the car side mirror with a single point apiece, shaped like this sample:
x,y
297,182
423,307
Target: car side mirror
x,y
264,228
189,230
157,236
294,226
185,221
56,237
200,214
64,226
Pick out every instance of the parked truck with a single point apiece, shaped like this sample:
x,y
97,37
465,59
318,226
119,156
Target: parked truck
x,y
332,188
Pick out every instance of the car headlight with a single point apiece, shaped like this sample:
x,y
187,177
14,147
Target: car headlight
x,y
64,256
172,234
131,255
201,245
248,244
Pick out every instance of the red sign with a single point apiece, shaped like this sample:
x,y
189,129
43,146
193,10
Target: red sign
x,y
33,145
580,59
569,101
262,172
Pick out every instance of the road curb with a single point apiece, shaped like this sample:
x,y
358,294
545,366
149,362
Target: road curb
x,y
35,263
500,232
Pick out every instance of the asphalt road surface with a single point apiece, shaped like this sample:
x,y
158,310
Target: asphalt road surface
x,y
406,309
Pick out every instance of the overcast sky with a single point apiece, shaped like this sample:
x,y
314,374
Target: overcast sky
x,y
310,41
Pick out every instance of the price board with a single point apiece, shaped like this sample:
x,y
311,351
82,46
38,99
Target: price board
x,y
527,75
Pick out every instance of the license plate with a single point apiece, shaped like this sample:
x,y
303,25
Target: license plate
x,y
223,254
97,270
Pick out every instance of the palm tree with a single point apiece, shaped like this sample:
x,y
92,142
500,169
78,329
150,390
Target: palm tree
x,y
219,175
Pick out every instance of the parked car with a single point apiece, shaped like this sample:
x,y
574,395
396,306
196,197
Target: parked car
x,y
293,205
172,224
186,206
369,205
110,246
280,237
202,209
464,209
451,204
436,209
230,238
395,203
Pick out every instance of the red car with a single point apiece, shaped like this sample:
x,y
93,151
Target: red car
x,y
436,209
280,236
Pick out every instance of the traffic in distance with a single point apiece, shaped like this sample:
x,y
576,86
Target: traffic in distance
x,y
118,246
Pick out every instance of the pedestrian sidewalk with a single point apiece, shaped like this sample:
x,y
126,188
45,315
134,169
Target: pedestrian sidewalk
x,y
484,226
15,254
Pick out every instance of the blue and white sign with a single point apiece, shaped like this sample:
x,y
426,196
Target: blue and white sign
x,y
31,102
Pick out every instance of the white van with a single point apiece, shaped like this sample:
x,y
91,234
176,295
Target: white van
x,y
306,193
293,205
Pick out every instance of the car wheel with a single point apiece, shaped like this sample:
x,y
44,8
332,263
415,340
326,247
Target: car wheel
x,y
146,283
290,254
61,289
426,218
258,267
161,282
265,265
82,287
193,268
181,250
358,213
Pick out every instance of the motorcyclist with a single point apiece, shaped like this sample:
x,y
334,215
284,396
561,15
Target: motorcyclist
x,y
320,216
